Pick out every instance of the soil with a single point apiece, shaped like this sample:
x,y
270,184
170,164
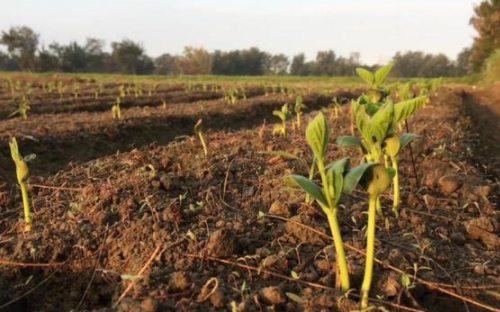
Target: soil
x,y
187,231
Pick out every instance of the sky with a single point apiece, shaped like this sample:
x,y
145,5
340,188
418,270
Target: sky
x,y
375,29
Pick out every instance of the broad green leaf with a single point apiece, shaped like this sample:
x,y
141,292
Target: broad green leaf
x,y
280,153
353,176
381,122
318,135
405,109
406,138
307,186
382,73
366,75
349,141
405,280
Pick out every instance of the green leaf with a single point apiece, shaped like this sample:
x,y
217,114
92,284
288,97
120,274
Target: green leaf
x,y
353,176
338,169
391,172
382,73
307,186
366,75
318,135
295,297
349,141
406,138
381,122
405,109
295,275
405,280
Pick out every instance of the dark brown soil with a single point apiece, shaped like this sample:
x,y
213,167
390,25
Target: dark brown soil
x,y
97,224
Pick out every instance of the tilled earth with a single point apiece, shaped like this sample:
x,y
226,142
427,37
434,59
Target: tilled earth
x,y
164,228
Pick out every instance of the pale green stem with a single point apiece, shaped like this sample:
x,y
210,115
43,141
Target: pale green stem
x,y
397,194
339,248
331,213
298,121
370,251
284,128
26,204
203,143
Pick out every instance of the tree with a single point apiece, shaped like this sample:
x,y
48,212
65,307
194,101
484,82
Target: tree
x,y
325,63
194,61
97,59
129,57
22,43
486,21
299,66
278,64
47,60
165,65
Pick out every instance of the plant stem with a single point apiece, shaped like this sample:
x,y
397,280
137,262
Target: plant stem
x,y
339,248
397,194
298,121
370,251
26,204
203,143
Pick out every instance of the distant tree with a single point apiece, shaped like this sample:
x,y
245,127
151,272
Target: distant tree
x,y
278,64
486,21
325,63
129,57
97,59
299,66
47,60
72,57
253,62
419,64
22,43
463,62
194,61
165,65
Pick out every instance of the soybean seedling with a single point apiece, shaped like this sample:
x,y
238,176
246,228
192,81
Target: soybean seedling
x,y
198,129
22,173
334,179
115,109
284,115
299,109
22,110
376,122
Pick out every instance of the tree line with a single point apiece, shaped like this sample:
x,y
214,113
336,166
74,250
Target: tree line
x,y
24,53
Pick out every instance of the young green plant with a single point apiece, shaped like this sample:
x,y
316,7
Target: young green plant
x,y
22,110
22,173
299,109
198,129
115,109
283,114
334,178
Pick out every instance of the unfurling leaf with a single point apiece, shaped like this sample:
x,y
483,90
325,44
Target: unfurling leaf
x,y
382,73
366,75
405,109
318,135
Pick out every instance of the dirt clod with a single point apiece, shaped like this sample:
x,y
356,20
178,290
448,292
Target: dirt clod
x,y
180,281
484,229
449,183
280,209
303,234
221,243
272,294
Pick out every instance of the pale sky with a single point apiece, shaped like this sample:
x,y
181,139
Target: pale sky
x,y
376,29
